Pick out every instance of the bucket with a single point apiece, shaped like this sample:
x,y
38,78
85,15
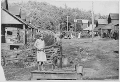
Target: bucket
x,y
65,62
79,69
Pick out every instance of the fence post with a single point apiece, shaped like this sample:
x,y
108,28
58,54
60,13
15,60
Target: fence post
x,y
60,55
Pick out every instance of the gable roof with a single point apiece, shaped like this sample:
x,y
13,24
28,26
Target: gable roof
x,y
102,21
19,19
8,19
114,15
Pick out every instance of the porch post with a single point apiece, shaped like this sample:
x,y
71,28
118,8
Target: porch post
x,y
101,32
24,36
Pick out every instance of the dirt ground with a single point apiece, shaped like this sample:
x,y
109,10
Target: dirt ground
x,y
100,59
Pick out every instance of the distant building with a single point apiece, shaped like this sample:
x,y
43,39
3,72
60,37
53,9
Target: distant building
x,y
113,24
89,28
84,23
101,24
113,18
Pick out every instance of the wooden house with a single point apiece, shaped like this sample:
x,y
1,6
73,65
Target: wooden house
x,y
13,29
113,23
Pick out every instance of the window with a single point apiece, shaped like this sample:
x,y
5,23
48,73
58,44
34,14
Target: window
x,y
9,33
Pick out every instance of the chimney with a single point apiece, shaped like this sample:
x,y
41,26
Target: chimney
x,y
5,4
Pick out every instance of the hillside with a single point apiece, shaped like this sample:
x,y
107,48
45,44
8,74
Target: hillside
x,y
44,15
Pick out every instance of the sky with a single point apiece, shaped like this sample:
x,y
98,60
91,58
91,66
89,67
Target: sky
x,y
102,7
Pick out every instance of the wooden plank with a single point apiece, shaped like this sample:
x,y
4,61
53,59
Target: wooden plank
x,y
55,75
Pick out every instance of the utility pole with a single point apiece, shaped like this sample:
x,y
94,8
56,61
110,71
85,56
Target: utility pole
x,y
6,4
75,24
75,21
92,22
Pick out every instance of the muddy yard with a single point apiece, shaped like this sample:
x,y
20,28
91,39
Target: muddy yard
x,y
99,58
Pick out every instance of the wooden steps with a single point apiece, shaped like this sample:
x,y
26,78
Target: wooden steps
x,y
55,75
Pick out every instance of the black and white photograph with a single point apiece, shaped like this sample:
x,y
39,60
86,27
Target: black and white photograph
x,y
59,40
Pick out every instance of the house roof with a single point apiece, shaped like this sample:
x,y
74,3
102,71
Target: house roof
x,y
109,26
114,15
102,21
15,10
19,19
83,20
